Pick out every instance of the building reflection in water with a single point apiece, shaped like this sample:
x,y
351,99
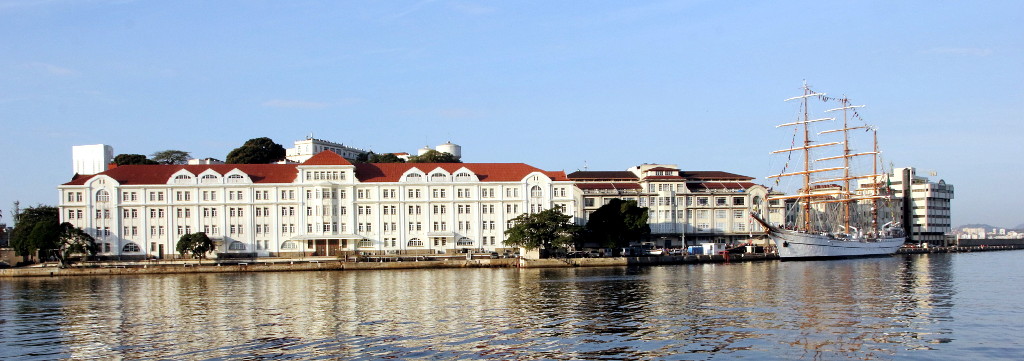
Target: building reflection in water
x,y
865,308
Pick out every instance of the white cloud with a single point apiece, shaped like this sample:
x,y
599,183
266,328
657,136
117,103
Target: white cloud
x,y
308,104
301,104
961,51
53,69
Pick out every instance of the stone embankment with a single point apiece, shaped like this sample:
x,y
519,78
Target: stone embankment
x,y
334,264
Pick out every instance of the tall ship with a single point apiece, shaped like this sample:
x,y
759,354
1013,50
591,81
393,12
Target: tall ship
x,y
839,210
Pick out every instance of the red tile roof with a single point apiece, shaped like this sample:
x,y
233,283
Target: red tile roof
x,y
713,175
583,175
661,168
287,173
326,157
160,174
629,186
719,186
486,172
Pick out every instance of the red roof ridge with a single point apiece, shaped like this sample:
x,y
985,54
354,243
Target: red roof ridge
x,y
327,157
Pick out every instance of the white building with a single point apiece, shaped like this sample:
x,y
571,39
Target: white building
x,y
307,148
91,159
325,206
926,205
684,207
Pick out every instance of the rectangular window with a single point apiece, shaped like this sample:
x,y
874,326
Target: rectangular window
x,y
738,201
720,201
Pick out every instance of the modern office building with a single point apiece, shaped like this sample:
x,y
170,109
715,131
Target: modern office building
x,y
685,207
926,205
307,148
324,206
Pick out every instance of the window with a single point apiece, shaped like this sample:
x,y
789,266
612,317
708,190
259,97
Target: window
x,y
463,177
102,196
236,178
535,192
289,245
702,201
183,179
365,243
438,177
236,246
131,247
414,178
463,241
720,214
208,179
415,242
737,214
720,201
738,201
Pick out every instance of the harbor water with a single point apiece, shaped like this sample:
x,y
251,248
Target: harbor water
x,y
962,306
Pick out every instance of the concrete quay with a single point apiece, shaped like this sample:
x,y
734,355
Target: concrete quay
x,y
335,264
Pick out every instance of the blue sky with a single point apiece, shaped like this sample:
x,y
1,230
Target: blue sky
x,y
558,85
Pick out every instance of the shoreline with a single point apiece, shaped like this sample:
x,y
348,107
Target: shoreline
x,y
334,264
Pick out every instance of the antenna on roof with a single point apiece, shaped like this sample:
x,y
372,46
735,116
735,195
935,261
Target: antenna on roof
x,y
586,166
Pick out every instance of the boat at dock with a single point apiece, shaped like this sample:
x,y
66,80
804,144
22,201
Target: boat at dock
x,y
838,211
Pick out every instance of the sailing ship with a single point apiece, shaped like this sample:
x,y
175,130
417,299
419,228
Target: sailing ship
x,y
826,218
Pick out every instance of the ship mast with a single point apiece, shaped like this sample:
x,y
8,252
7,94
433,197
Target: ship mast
x,y
807,163
874,171
806,149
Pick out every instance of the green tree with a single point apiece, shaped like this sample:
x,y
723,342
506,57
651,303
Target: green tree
x,y
256,151
195,244
385,158
548,229
171,156
617,223
130,159
74,240
433,156
36,229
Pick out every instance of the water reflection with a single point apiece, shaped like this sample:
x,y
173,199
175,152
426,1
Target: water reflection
x,y
856,309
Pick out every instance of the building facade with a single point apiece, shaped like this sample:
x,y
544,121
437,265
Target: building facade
x,y
926,206
325,206
307,148
684,207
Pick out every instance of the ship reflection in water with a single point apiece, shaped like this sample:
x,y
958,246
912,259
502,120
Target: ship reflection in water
x,y
877,308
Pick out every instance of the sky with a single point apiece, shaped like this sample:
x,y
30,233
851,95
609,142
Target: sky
x,y
598,85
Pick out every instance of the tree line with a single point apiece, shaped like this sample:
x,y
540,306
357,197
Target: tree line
x,y
264,150
613,225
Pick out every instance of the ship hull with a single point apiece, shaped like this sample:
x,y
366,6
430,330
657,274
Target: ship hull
x,y
792,245
796,245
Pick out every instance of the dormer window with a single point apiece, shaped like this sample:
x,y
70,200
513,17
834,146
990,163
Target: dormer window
x,y
414,178
463,177
438,177
183,179
208,179
236,178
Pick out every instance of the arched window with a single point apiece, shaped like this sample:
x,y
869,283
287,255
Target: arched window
x,y
415,242
365,243
183,179
130,247
414,178
464,242
102,196
208,179
463,177
289,245
438,177
236,246
236,178
536,192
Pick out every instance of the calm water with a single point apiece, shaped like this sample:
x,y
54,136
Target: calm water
x,y
959,306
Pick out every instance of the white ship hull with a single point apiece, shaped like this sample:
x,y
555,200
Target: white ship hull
x,y
801,245
792,245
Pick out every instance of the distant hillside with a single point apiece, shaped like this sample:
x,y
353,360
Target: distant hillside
x,y
986,226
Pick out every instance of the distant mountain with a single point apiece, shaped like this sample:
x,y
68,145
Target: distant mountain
x,y
975,225
985,226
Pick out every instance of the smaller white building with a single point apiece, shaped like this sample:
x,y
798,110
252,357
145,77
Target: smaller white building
x,y
91,159
926,205
307,148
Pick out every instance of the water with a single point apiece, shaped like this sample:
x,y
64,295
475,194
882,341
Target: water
x,y
926,307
